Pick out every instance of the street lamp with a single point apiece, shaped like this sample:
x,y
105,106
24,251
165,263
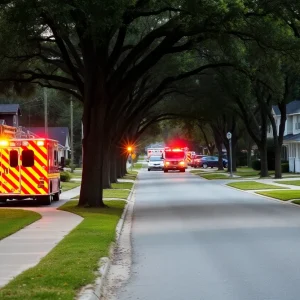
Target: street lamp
x,y
129,149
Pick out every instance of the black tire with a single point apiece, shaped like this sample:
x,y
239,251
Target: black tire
x,y
44,200
205,166
166,170
149,169
56,197
226,165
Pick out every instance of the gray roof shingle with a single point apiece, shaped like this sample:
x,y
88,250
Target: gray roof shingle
x,y
292,138
10,108
291,108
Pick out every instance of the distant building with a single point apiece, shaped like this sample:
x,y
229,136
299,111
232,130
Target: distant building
x,y
9,114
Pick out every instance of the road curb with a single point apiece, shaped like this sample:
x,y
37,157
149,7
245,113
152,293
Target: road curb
x,y
94,291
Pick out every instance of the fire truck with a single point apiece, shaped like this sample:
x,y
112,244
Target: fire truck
x,y
28,168
175,159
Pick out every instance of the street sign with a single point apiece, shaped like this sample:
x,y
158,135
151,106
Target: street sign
x,y
229,135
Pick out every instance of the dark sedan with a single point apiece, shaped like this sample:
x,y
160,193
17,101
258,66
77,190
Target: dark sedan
x,y
211,162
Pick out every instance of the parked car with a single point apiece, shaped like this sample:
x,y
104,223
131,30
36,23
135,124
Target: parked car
x,y
212,161
155,163
196,160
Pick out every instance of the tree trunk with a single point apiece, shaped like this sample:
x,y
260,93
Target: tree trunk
x,y
119,169
106,170
95,146
249,149
218,143
113,166
264,161
278,171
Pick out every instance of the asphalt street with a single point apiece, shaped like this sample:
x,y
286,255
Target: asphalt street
x,y
195,239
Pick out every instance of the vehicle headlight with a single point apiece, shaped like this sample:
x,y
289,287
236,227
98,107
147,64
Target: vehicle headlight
x,y
167,163
182,162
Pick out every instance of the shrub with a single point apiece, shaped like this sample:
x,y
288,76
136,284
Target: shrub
x,y
65,176
256,165
285,168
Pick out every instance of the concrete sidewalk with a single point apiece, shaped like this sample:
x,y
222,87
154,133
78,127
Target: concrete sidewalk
x,y
25,248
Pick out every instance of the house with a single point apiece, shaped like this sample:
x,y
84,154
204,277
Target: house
x,y
291,138
9,114
61,134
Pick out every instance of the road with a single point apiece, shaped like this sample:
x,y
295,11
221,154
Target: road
x,y
199,240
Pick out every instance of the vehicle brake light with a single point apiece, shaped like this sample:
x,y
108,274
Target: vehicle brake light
x,y
4,143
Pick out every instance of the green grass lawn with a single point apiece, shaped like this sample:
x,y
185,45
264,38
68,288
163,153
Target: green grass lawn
x,y
246,172
122,185
65,186
115,193
253,185
282,195
72,263
76,175
289,182
214,176
137,166
112,193
12,220
130,175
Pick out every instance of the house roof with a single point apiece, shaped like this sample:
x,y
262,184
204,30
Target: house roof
x,y
56,133
291,108
10,109
292,138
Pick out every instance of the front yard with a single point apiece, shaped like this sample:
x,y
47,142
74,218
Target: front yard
x,y
71,264
12,220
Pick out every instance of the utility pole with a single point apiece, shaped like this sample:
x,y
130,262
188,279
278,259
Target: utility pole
x,y
46,111
72,136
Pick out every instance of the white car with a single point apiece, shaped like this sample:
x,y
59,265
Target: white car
x,y
155,163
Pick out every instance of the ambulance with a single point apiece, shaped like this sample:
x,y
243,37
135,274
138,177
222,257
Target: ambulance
x,y
154,152
29,168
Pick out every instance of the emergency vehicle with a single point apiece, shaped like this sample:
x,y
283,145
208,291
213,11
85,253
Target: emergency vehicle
x,y
175,159
189,157
28,168
155,152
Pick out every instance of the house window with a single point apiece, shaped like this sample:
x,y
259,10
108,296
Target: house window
x,y
297,124
293,150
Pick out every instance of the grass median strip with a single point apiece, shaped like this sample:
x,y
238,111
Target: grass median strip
x,y
12,220
253,185
65,186
282,195
71,264
130,175
289,182
116,193
112,193
122,185
214,176
138,166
